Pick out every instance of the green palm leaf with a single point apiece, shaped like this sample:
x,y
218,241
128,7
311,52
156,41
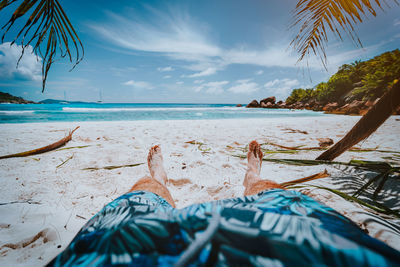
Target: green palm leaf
x,y
48,28
315,17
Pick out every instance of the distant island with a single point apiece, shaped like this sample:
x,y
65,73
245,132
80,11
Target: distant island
x,y
7,98
352,90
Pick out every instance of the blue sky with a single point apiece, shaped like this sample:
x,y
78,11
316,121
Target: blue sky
x,y
209,51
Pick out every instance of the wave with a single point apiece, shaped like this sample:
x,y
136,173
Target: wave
x,y
137,109
14,112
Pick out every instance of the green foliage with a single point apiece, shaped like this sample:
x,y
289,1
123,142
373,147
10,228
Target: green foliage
x,y
47,28
299,95
7,98
366,80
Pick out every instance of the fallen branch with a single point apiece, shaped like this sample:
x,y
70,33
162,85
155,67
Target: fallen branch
x,y
306,179
53,146
296,147
29,201
28,241
111,167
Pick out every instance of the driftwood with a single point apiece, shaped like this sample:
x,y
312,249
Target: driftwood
x,y
44,149
295,147
306,179
28,241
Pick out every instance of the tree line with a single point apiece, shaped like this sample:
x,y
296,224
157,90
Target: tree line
x,y
360,80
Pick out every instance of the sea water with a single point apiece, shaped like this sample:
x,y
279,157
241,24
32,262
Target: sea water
x,y
24,113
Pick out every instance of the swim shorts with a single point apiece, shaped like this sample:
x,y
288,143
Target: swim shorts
x,y
273,228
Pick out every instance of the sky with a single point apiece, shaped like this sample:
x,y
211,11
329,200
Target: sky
x,y
188,51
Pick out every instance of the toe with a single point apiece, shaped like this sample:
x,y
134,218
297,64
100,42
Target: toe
x,y
254,147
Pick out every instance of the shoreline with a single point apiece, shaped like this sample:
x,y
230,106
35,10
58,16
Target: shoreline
x,y
69,195
356,107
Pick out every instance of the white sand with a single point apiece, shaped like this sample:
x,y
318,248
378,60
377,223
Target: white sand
x,y
69,196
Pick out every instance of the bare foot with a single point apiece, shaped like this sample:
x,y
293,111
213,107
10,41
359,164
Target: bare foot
x,y
254,157
155,163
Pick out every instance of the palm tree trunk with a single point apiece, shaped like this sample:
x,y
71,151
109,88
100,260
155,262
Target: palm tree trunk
x,y
377,115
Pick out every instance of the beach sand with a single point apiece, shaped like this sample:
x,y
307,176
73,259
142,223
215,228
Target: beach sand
x,y
63,196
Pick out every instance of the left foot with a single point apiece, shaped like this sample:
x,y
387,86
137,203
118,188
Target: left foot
x,y
155,163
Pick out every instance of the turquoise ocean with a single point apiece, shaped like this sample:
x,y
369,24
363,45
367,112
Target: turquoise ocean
x,y
26,113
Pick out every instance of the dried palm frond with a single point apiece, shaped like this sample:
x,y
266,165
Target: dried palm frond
x,y
315,17
47,27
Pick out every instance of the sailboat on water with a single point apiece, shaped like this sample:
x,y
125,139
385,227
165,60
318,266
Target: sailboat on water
x,y
65,102
100,97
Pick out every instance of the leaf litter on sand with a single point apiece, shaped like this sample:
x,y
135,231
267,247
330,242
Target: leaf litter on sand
x,y
384,169
375,206
112,167
200,146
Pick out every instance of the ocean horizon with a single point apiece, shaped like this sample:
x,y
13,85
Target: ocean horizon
x,y
27,113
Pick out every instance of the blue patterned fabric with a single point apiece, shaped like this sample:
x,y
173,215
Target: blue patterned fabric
x,y
274,228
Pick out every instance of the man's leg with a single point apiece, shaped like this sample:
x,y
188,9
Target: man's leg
x,y
157,182
252,180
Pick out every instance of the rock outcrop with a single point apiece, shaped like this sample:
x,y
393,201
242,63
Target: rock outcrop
x,y
253,104
355,107
270,99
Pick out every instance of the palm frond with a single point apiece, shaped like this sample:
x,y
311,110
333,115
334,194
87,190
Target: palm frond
x,y
48,28
317,17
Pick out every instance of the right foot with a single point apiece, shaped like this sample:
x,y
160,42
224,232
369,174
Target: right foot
x,y
254,157
155,163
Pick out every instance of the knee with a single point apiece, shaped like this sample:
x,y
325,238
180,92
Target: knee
x,y
142,183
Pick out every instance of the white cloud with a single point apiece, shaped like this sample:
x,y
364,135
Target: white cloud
x,y
282,87
212,87
176,35
272,56
206,72
139,84
396,22
243,81
169,33
179,82
167,76
198,81
29,67
244,87
169,68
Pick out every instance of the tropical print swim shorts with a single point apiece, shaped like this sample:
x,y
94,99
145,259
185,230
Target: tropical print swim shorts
x,y
274,228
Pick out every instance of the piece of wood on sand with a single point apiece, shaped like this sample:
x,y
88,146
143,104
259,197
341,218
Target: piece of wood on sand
x,y
44,149
306,179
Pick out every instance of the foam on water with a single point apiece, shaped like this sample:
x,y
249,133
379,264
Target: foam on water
x,y
140,109
15,113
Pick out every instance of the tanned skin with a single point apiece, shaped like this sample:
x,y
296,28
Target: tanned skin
x,y
252,181
156,182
